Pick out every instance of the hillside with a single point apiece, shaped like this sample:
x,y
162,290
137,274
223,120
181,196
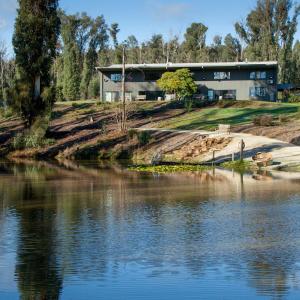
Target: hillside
x,y
85,130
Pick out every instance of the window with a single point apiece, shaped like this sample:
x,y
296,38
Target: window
x,y
258,92
152,76
112,96
210,95
128,96
253,75
116,77
221,75
258,75
225,94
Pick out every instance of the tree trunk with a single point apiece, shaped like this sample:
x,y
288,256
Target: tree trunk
x,y
123,118
37,87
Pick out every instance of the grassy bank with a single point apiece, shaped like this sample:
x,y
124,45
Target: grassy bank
x,y
88,129
239,113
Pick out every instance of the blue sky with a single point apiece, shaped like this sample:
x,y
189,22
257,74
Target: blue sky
x,y
146,17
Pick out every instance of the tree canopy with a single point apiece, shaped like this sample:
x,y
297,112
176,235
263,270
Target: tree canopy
x,y
181,83
35,39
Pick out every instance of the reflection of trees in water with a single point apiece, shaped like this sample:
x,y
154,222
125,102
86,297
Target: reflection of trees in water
x,y
272,258
76,218
37,267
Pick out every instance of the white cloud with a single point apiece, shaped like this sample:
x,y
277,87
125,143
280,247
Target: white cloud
x,y
169,10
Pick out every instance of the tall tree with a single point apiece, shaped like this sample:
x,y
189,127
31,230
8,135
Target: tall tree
x,y
34,40
269,33
232,50
216,49
133,51
114,30
71,57
155,49
195,43
296,63
97,43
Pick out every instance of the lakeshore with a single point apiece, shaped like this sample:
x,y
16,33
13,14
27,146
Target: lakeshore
x,y
172,133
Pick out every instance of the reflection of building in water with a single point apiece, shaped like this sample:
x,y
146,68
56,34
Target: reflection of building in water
x,y
85,222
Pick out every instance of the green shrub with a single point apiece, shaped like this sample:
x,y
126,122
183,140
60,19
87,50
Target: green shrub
x,y
132,133
188,105
94,88
144,138
294,99
226,103
283,118
59,94
7,113
27,141
264,120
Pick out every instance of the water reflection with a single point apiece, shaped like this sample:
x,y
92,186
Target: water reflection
x,y
86,225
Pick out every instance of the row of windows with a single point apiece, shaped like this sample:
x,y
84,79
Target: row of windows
x,y
258,75
258,92
153,76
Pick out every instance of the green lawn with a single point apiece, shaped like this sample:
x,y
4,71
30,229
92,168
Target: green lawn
x,y
209,118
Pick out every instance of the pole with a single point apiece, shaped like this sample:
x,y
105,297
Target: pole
x,y
123,121
242,150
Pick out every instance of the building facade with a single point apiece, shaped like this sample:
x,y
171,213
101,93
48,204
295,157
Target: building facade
x,y
238,81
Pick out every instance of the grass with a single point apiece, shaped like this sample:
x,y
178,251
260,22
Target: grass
x,y
238,114
169,169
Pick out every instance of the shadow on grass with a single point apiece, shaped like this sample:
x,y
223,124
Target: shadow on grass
x,y
241,116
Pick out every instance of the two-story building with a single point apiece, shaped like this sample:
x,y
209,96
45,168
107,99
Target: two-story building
x,y
234,80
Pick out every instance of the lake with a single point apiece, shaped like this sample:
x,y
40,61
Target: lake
x,y
89,231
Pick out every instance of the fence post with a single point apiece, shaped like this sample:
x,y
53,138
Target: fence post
x,y
242,150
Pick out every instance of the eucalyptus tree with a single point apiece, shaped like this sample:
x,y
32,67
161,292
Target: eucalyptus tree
x,y
269,31
71,57
133,50
232,49
194,44
98,43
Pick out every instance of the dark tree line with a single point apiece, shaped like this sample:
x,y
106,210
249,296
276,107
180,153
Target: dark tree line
x,y
267,33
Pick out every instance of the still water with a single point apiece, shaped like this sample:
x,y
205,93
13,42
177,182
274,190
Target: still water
x,y
84,231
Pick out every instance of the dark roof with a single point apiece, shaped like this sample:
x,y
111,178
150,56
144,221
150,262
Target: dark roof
x,y
266,64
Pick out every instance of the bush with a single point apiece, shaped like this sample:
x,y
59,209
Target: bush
x,y
35,136
94,88
7,113
132,133
294,99
264,120
283,118
26,141
59,94
188,105
226,103
144,138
